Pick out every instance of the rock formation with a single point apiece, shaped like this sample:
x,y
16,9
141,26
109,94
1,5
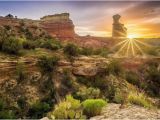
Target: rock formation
x,y
118,29
58,25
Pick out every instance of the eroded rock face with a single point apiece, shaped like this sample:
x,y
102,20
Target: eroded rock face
x,y
118,29
58,25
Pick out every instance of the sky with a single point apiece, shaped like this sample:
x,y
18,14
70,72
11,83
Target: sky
x,y
142,19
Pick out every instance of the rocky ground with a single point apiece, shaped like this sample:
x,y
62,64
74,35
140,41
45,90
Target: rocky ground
x,y
132,112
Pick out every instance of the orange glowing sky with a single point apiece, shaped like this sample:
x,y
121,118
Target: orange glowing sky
x,y
142,19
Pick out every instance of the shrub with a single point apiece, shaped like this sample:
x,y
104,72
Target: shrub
x,y
70,108
38,110
93,107
116,89
132,78
51,44
88,93
86,51
120,96
23,107
28,34
114,67
7,27
151,75
28,44
4,112
12,45
102,52
152,51
139,99
7,114
47,64
67,79
2,104
20,71
82,79
71,50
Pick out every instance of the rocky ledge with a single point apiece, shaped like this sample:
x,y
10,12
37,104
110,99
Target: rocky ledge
x,y
132,112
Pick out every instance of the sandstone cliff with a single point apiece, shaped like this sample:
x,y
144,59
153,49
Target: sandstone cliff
x,y
58,25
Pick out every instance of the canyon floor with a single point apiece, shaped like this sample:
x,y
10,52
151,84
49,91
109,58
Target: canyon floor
x,y
131,112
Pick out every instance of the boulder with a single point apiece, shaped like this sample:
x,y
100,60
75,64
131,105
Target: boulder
x,y
88,66
85,70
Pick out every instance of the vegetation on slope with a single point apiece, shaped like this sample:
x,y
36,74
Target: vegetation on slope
x,y
41,89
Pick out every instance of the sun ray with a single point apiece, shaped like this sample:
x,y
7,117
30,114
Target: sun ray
x,y
120,43
145,44
123,46
129,42
133,51
130,47
138,48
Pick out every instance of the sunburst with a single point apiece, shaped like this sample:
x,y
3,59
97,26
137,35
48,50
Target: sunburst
x,y
130,47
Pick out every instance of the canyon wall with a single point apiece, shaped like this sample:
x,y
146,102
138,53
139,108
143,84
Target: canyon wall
x,y
58,25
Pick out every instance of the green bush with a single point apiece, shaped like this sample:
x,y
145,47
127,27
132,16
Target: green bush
x,y
70,108
38,110
71,50
151,74
132,78
93,107
20,71
12,45
88,93
82,79
86,51
47,64
28,44
120,96
152,51
116,89
114,67
139,99
7,114
67,79
51,44
7,27
2,104
153,77
102,52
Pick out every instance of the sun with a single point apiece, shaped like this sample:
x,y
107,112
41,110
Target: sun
x,y
131,36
